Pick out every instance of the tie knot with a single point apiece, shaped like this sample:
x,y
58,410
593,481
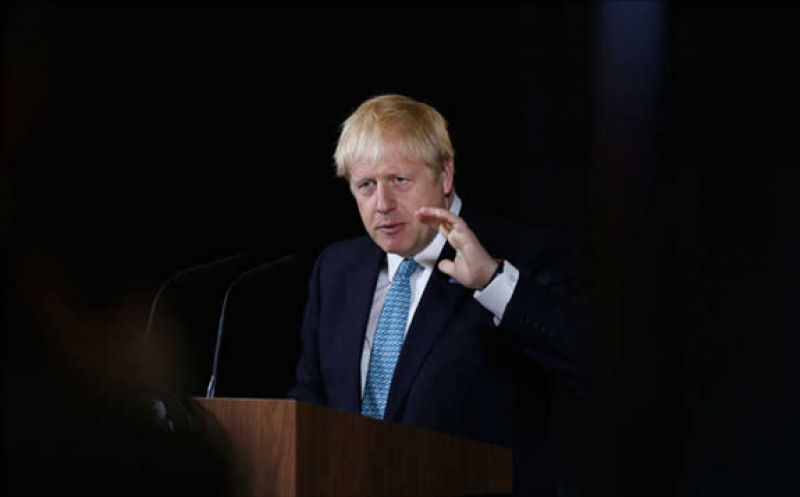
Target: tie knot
x,y
406,268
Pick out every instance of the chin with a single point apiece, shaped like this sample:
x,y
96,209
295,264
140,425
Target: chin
x,y
394,247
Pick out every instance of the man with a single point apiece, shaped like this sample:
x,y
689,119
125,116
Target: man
x,y
443,318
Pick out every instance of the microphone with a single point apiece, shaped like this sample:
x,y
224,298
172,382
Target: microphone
x,y
178,276
270,266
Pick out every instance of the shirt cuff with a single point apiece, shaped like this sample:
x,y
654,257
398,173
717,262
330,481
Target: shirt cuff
x,y
497,295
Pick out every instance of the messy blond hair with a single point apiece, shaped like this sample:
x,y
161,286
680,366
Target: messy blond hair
x,y
415,127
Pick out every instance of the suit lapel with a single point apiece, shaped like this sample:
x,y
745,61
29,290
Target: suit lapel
x,y
440,300
360,291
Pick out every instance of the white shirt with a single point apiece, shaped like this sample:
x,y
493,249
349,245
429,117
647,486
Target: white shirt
x,y
494,297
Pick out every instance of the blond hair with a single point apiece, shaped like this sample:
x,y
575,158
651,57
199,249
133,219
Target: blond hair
x,y
388,121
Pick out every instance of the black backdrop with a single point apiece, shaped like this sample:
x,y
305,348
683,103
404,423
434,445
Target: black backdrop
x,y
142,138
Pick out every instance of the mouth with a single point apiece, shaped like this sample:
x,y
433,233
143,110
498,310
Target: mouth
x,y
390,228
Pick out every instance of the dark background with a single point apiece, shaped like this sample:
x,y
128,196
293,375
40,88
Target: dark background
x,y
139,139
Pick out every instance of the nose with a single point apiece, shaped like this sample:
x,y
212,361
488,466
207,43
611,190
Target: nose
x,y
385,199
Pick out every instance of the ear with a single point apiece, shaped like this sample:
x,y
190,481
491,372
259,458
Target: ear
x,y
448,170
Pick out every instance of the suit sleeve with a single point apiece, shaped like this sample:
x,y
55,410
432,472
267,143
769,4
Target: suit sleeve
x,y
309,386
548,314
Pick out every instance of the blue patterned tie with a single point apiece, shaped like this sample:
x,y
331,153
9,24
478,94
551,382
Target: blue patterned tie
x,y
388,341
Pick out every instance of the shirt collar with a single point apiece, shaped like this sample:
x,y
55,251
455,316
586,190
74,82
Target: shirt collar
x,y
429,255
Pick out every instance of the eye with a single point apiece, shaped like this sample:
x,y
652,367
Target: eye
x,y
365,186
400,179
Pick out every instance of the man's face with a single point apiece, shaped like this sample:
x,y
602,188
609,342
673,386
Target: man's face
x,y
390,192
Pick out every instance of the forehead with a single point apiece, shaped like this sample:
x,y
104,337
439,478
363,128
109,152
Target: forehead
x,y
390,164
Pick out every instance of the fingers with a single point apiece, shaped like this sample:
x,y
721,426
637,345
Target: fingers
x,y
451,227
447,267
438,216
442,219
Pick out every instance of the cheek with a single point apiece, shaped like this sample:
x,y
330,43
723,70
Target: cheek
x,y
410,203
365,208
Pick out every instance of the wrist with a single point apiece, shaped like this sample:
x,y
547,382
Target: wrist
x,y
499,265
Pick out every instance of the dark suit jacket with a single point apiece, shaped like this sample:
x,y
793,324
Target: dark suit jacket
x,y
457,373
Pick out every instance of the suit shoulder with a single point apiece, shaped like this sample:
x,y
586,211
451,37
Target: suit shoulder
x,y
348,248
502,232
526,245
346,253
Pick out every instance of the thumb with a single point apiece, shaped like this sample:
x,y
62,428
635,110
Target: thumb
x,y
447,267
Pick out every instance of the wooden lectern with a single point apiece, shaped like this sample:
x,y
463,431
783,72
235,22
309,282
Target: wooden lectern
x,y
291,448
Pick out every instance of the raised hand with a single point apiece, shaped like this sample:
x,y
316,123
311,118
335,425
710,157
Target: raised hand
x,y
473,267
